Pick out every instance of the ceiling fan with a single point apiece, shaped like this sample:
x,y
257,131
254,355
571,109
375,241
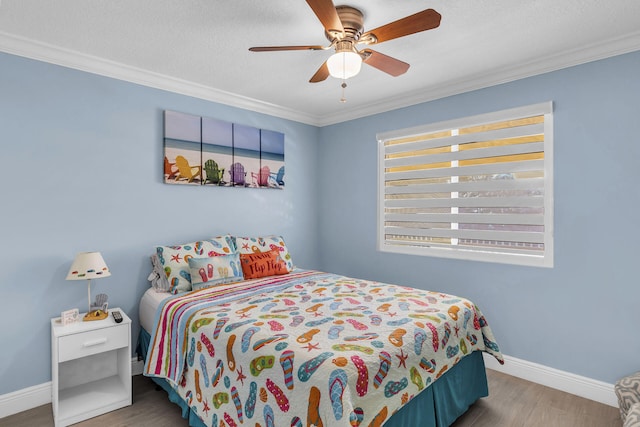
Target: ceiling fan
x,y
344,26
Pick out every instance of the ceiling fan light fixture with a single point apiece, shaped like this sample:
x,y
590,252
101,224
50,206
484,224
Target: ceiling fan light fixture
x,y
345,62
344,29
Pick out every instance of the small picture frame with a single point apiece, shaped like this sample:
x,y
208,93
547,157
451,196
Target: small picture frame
x,y
69,317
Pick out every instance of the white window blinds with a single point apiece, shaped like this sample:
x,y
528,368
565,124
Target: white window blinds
x,y
476,188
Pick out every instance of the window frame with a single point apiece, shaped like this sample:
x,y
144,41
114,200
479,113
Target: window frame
x,y
545,259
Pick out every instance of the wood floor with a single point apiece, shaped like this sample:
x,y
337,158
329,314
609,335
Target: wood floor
x,y
512,403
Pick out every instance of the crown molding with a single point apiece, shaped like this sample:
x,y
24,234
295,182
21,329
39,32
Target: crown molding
x,y
67,58
27,48
557,61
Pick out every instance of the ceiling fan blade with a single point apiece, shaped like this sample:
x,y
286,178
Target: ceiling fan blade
x,y
320,75
277,48
421,21
327,14
385,63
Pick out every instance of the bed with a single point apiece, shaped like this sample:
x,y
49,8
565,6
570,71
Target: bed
x,y
309,348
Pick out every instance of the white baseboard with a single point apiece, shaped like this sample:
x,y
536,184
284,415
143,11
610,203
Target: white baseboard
x,y
25,399
560,380
32,397
38,395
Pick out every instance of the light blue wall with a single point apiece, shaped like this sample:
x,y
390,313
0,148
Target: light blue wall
x,y
82,170
582,315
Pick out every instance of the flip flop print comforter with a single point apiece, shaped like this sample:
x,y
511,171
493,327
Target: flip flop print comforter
x,y
310,348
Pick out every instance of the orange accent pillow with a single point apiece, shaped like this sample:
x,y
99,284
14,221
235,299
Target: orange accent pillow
x,y
262,264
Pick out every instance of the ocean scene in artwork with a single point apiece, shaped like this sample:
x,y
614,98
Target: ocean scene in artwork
x,y
272,156
217,151
182,149
246,156
207,151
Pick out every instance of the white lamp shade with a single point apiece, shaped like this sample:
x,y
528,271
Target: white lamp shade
x,y
343,65
88,265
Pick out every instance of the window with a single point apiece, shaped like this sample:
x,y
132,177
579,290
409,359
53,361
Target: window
x,y
477,188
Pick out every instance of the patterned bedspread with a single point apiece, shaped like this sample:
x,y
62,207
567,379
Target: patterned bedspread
x,y
310,348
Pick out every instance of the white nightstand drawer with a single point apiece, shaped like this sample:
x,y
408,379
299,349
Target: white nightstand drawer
x,y
92,342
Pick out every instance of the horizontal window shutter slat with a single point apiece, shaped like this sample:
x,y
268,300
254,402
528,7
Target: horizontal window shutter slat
x,y
523,250
510,236
533,147
484,202
496,168
495,185
511,219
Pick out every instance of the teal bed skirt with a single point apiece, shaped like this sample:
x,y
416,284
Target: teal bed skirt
x,y
437,406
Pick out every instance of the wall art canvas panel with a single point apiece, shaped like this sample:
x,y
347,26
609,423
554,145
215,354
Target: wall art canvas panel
x,y
182,148
272,158
207,151
246,156
217,151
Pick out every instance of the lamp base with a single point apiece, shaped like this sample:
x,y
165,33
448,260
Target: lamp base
x,y
95,315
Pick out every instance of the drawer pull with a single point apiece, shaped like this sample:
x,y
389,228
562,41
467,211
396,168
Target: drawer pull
x,y
94,342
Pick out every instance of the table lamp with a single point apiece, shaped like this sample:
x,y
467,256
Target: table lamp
x,y
87,266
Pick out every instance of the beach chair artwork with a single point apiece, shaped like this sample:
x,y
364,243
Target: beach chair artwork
x,y
211,152
217,151
261,179
237,175
278,177
170,169
246,154
187,171
213,173
272,156
182,149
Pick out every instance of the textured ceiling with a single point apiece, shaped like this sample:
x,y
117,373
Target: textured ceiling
x,y
200,47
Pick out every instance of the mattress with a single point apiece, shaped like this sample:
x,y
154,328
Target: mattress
x,y
148,306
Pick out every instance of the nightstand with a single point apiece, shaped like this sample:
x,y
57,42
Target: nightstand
x,y
90,368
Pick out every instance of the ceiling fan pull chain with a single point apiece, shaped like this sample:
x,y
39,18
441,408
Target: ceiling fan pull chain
x,y
344,86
